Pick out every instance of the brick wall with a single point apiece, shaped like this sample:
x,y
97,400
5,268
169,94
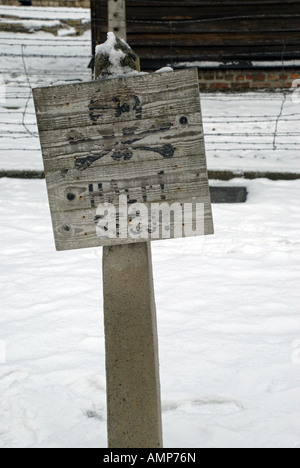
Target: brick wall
x,y
241,80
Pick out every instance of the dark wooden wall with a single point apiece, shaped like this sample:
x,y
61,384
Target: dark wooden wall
x,y
227,31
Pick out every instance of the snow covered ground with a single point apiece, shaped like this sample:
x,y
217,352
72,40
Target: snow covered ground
x,y
28,60
229,328
45,13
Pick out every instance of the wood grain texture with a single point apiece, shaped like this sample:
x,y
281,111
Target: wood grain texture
x,y
231,30
140,137
59,144
116,100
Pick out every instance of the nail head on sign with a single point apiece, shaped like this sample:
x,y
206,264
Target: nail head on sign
x,y
183,121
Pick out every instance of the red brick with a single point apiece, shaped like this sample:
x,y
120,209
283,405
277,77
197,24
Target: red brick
x,y
241,86
250,77
295,76
259,85
273,77
240,78
259,78
208,77
219,86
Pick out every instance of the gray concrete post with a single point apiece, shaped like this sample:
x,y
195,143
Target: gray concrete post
x,y
132,368
117,18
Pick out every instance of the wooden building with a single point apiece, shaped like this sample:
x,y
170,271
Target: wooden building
x,y
257,42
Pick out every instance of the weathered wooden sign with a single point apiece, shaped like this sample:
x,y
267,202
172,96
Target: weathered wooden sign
x,y
125,159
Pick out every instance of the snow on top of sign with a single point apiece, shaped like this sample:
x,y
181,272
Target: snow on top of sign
x,y
115,56
108,48
164,70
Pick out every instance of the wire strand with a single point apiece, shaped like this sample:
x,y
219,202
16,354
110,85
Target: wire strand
x,y
283,100
29,95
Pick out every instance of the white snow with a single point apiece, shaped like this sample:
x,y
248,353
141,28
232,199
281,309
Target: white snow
x,y
164,70
115,56
46,12
48,60
239,132
228,316
253,63
34,19
32,23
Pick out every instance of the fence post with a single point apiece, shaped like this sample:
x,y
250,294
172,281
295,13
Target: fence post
x,y
132,364
117,18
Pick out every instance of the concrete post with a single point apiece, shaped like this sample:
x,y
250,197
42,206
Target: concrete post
x,y
132,368
117,18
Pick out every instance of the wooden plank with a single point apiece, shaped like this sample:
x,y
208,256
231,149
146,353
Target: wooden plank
x,y
139,137
220,53
76,230
93,142
65,167
163,11
111,101
65,170
213,3
212,39
262,24
150,189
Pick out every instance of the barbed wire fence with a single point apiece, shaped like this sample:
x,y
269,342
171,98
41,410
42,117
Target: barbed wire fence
x,y
27,62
